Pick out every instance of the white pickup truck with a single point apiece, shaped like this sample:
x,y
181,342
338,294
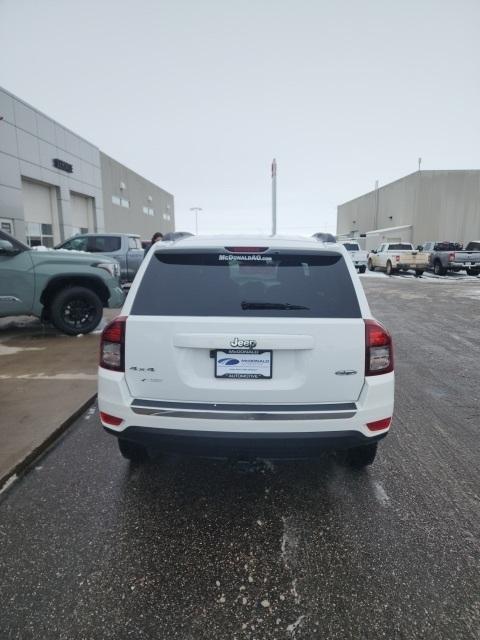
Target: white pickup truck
x,y
359,257
393,257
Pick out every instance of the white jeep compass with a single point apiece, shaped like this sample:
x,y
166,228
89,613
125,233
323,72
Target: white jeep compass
x,y
246,347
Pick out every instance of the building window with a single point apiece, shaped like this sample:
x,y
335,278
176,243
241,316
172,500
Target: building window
x,y
77,230
121,202
166,216
39,234
148,211
7,225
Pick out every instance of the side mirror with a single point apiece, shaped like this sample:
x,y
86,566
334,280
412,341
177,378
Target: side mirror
x,y
419,247
7,248
374,251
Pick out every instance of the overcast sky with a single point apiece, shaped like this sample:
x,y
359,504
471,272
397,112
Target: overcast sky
x,y
200,95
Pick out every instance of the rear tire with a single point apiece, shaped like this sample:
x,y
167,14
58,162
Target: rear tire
x,y
472,272
76,310
370,266
362,269
438,269
418,272
361,457
132,451
389,269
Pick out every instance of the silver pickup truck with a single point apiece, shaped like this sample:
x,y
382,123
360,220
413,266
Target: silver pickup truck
x,y
125,248
449,256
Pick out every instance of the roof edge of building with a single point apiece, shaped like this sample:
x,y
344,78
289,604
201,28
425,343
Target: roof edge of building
x,y
102,153
42,113
409,175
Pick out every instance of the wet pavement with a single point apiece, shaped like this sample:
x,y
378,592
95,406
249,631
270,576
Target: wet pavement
x,y
91,547
45,378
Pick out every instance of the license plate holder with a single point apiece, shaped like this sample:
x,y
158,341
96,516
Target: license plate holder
x,y
243,364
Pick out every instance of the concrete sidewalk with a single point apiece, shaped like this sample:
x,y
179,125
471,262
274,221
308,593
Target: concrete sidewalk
x,y
46,378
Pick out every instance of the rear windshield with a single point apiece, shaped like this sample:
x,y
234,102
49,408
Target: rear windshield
x,y
274,284
351,246
473,246
400,247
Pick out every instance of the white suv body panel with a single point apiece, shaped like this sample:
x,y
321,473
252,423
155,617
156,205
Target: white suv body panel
x,y
375,402
310,358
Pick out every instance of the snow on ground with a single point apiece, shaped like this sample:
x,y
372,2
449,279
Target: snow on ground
x,y
427,276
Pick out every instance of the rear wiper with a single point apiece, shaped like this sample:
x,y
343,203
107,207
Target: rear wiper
x,y
273,305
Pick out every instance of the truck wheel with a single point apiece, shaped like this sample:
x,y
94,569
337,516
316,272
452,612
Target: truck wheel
x,y
389,268
132,451
362,269
472,272
418,272
76,310
438,269
360,457
370,266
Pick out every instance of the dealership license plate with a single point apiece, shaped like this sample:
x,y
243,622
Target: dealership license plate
x,y
242,364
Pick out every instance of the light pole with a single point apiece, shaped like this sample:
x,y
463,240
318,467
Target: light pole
x,y
196,209
274,197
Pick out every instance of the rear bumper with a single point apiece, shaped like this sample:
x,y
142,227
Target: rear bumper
x,y
224,444
463,265
408,265
257,429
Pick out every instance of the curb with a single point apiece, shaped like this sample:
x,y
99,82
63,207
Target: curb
x,y
24,464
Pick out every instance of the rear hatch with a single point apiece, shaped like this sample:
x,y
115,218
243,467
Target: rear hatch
x,y
245,326
414,257
467,258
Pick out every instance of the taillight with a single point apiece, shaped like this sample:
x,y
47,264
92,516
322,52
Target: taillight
x,y
379,425
451,257
112,345
378,349
112,420
397,258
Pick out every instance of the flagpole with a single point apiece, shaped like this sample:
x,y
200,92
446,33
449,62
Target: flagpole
x,y
274,197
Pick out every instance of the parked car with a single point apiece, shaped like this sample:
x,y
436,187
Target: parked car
x,y
241,346
358,257
450,256
126,248
176,235
68,289
324,237
393,257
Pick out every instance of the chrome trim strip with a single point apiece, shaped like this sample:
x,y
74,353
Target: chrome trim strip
x,y
9,299
262,408
250,415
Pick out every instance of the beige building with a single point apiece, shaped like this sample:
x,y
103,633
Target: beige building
x,y
54,183
425,205
132,204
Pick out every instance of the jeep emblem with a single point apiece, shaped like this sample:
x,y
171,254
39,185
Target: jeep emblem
x,y
243,344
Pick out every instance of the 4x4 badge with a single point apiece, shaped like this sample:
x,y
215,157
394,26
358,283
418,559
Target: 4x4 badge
x,y
243,344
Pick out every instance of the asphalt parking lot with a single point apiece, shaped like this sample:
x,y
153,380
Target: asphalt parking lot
x,y
196,549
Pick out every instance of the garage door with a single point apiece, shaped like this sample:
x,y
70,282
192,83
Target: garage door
x,y
82,213
41,213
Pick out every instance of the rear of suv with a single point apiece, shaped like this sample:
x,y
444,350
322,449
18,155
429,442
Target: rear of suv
x,y
244,347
